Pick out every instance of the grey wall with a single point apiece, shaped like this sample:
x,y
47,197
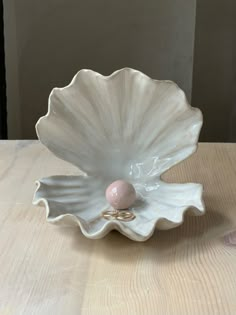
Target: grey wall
x,y
47,42
214,75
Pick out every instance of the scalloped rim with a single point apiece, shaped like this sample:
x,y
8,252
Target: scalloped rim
x,y
111,225
109,77
116,225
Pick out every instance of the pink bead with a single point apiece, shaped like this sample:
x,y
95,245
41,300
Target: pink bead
x,y
120,194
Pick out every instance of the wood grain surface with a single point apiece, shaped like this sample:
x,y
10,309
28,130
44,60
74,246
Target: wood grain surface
x,y
48,269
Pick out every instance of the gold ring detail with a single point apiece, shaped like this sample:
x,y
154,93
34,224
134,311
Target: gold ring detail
x,y
125,216
122,215
110,214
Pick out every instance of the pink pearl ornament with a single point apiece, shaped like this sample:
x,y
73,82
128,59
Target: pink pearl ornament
x,y
120,194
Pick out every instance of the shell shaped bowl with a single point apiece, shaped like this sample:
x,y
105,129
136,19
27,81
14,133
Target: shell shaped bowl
x,y
123,126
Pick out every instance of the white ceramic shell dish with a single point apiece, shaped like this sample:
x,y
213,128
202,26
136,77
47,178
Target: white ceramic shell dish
x,y
123,126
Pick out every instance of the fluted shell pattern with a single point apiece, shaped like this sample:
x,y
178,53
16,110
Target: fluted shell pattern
x,y
123,126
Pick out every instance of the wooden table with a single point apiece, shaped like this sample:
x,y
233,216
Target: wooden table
x,y
47,269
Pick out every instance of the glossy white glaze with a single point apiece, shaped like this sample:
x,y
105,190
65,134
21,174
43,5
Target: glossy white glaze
x,y
123,126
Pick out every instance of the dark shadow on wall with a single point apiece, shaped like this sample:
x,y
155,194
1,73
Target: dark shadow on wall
x,y
214,70
3,108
